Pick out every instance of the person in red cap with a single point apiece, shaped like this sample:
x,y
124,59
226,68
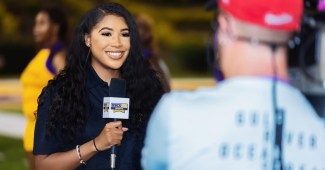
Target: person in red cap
x,y
253,119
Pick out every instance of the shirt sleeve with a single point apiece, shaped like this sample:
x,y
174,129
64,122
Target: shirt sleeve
x,y
42,144
155,151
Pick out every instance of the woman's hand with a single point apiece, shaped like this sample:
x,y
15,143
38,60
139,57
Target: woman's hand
x,y
112,134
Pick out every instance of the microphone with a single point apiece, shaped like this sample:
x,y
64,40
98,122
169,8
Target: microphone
x,y
116,107
117,88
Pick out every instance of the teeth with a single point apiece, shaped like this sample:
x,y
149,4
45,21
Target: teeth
x,y
115,53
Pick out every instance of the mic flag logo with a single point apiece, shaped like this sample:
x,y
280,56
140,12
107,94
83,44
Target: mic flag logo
x,y
116,108
119,107
105,106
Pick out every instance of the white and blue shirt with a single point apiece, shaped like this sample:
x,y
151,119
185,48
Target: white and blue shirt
x,y
231,126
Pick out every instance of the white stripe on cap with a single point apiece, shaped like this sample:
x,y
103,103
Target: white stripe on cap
x,y
226,1
281,19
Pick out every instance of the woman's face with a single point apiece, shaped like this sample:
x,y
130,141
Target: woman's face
x,y
109,42
42,28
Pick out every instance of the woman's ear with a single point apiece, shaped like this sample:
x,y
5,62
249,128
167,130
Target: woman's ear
x,y
87,40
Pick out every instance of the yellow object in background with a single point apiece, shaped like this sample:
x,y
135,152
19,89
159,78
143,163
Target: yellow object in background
x,y
33,79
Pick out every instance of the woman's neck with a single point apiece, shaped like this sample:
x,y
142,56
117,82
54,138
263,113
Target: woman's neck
x,y
104,73
50,42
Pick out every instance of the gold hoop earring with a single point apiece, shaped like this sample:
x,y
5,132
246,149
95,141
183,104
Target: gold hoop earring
x,y
87,57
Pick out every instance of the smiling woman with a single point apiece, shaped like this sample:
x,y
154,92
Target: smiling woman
x,y
109,42
70,132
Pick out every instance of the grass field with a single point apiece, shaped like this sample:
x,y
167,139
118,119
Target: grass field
x,y
12,156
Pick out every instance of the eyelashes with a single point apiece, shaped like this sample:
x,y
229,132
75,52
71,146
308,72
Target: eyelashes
x,y
108,34
126,34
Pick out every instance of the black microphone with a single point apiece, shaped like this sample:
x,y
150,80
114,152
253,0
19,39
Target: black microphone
x,y
117,89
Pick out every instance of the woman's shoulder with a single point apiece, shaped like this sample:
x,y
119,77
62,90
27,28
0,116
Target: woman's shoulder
x,y
58,60
51,89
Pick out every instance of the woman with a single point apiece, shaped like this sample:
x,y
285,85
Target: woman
x,y
50,35
70,131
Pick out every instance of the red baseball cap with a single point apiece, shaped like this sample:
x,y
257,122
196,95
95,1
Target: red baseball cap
x,y
284,15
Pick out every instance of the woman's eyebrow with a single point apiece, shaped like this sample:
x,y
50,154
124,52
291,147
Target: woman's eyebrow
x,y
125,29
107,28
111,29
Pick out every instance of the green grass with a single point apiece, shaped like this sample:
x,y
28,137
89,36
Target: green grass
x,y
12,155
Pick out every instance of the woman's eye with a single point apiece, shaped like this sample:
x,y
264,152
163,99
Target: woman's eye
x,y
126,34
106,34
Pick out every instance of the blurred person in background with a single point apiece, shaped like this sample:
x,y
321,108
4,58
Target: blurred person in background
x,y
50,34
70,131
254,119
150,49
307,55
2,62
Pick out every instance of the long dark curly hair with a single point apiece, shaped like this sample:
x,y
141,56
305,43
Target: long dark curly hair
x,y
67,90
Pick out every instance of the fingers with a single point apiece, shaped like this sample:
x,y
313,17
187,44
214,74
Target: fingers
x,y
114,132
117,124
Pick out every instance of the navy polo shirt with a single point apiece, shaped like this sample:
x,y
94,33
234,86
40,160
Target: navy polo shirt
x,y
128,153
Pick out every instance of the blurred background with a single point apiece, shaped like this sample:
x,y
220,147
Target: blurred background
x,y
181,30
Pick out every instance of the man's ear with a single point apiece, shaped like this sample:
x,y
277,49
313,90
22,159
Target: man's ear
x,y
222,23
225,29
87,40
223,39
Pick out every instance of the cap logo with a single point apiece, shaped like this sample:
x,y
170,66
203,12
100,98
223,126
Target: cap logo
x,y
273,19
226,1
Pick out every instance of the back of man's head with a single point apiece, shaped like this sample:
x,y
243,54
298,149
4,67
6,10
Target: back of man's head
x,y
282,15
247,28
271,20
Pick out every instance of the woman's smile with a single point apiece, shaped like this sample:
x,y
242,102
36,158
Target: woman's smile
x,y
115,55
